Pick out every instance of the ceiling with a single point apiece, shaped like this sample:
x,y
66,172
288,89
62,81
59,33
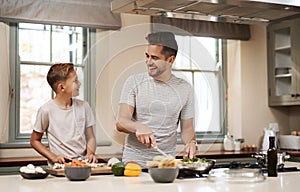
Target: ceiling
x,y
235,11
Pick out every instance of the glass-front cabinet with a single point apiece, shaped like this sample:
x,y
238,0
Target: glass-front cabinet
x,y
284,63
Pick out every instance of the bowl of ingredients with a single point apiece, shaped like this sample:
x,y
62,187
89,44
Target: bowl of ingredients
x,y
163,169
77,170
32,172
163,175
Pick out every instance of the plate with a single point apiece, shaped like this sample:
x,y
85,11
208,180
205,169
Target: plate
x,y
34,175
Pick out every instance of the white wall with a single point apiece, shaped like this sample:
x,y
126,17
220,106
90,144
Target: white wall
x,y
119,53
248,109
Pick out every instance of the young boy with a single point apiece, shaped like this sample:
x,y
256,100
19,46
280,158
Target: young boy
x,y
68,122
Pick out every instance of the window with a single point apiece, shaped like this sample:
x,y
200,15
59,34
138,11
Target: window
x,y
200,62
34,48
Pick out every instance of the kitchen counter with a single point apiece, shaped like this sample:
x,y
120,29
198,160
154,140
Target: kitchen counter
x,y
143,183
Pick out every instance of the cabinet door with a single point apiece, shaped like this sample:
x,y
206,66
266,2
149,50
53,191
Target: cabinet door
x,y
296,56
282,69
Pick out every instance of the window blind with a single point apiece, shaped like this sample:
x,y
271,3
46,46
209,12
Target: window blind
x,y
87,13
201,28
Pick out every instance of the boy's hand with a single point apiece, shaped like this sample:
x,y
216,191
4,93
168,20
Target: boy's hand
x,y
61,159
92,158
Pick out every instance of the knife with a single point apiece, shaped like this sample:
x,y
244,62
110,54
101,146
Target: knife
x,y
159,150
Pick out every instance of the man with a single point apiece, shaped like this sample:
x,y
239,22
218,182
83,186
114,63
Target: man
x,y
152,104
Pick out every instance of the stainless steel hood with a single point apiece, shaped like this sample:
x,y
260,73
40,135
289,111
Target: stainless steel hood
x,y
235,11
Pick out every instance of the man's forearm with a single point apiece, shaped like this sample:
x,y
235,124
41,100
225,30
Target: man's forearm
x,y
127,126
187,131
188,137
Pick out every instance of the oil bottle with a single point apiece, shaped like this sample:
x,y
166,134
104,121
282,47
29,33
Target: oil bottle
x,y
272,158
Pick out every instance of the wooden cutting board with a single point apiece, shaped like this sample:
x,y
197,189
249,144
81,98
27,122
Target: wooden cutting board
x,y
94,171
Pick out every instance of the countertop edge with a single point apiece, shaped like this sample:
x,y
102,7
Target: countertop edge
x,y
102,158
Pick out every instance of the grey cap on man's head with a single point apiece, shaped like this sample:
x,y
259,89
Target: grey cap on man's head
x,y
166,39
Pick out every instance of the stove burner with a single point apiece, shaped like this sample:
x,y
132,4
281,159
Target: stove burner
x,y
254,165
283,169
238,165
189,174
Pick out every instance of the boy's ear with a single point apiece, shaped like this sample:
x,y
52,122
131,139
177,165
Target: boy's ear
x,y
60,87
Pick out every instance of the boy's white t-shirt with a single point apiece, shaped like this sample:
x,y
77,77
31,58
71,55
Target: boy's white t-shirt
x,y
65,128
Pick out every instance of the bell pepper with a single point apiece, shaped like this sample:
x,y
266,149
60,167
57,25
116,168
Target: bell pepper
x,y
132,169
118,169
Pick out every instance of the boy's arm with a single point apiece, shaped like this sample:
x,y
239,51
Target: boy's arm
x,y
36,143
91,145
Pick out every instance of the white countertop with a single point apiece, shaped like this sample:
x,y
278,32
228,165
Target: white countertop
x,y
15,183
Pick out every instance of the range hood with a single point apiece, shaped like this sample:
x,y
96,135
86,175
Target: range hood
x,y
235,11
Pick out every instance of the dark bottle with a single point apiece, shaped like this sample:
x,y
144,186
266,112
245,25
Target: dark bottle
x,y
272,158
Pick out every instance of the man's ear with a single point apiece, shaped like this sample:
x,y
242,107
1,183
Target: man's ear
x,y
171,59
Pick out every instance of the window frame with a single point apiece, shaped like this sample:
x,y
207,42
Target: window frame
x,y
213,137
15,138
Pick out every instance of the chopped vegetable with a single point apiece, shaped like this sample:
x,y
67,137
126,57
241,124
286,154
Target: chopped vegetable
x,y
76,163
194,160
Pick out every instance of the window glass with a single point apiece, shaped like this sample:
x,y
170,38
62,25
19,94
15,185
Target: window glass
x,y
33,93
67,44
183,58
34,45
203,53
207,102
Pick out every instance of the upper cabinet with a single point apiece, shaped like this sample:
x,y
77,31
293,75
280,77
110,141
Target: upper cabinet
x,y
284,63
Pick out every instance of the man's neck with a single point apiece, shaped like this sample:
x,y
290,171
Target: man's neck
x,y
163,78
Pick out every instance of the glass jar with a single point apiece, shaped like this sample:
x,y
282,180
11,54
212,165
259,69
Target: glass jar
x,y
228,143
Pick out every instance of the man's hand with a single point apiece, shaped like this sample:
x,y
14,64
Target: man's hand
x,y
190,150
144,135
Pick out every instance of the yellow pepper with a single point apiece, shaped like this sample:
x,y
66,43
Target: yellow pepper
x,y
132,169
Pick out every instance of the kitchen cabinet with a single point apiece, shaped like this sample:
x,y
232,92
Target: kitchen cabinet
x,y
284,63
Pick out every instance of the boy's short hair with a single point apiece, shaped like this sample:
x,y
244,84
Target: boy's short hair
x,y
167,40
58,73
